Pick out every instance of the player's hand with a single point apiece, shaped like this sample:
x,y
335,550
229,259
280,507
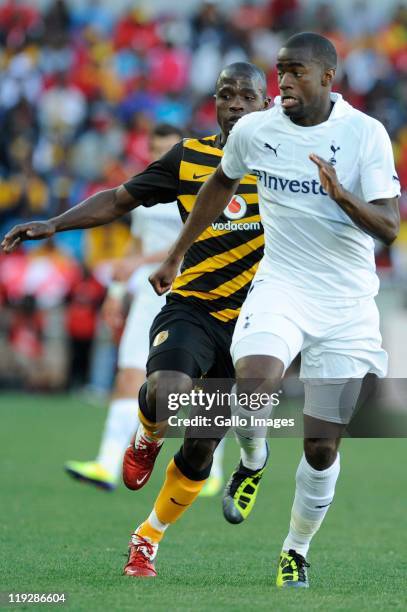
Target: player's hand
x,y
35,230
328,177
163,278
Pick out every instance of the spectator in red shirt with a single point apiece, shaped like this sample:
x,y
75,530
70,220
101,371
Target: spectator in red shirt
x,y
81,318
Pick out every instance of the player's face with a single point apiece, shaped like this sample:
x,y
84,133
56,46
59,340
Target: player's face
x,y
303,83
160,145
236,97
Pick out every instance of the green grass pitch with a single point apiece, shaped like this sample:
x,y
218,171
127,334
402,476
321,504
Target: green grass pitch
x,y
57,535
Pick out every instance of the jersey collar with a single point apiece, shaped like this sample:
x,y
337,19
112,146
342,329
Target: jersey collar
x,y
339,109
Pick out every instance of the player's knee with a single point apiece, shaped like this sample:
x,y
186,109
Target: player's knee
x,y
320,453
165,382
160,385
258,374
198,453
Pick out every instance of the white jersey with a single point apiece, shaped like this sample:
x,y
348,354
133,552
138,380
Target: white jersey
x,y
310,242
157,227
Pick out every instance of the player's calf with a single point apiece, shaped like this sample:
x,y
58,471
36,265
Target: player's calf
x,y
198,453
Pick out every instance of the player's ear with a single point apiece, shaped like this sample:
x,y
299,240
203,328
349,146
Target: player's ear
x,y
328,77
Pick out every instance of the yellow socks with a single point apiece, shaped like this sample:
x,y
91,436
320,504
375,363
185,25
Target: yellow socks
x,y
155,431
147,530
176,495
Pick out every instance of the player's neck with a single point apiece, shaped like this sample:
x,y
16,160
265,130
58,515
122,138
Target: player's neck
x,y
319,116
220,140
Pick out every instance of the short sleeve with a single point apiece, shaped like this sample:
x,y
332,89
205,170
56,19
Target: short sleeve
x,y
159,182
378,173
234,153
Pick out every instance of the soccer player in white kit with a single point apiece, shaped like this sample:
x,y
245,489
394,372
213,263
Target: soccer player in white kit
x,y
155,229
327,185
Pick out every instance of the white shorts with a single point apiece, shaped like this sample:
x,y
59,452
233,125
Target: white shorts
x,y
134,344
336,341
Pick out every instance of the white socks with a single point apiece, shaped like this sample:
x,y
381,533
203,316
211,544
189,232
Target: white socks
x,y
217,464
253,451
251,438
313,495
121,424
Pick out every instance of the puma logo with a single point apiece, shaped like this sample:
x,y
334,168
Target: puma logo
x,y
274,149
247,321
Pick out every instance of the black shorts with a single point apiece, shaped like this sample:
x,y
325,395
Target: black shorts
x,y
186,339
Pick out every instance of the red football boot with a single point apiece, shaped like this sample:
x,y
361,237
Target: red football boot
x,y
139,459
142,552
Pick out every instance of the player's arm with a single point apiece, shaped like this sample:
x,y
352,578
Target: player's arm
x,y
380,218
99,209
157,183
211,201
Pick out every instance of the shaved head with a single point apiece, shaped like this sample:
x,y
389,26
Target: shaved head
x,y
321,49
306,66
241,88
243,70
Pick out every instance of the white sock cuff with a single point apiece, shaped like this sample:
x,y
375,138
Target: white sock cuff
x,y
320,474
156,523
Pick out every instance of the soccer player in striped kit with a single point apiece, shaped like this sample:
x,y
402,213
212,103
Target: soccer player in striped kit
x,y
191,336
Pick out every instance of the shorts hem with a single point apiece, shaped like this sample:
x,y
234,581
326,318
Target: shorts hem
x,y
180,365
321,417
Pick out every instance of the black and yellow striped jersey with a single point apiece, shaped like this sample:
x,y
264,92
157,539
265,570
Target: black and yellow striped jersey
x,y
217,270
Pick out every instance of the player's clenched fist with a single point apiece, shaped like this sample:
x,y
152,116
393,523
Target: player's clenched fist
x,y
163,278
27,231
328,177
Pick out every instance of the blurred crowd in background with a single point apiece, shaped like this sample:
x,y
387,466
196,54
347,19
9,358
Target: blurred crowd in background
x,y
81,87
